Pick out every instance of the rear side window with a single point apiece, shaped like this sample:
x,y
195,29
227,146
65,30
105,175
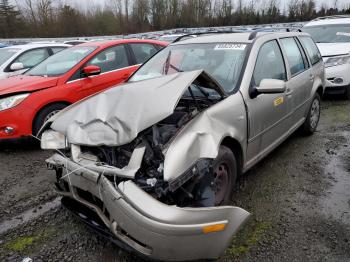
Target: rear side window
x,y
111,59
269,64
143,51
294,56
311,49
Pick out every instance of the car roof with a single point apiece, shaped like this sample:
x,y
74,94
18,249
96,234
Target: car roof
x,y
235,37
108,43
32,46
329,20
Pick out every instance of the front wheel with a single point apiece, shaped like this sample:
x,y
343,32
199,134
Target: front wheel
x,y
44,115
225,175
313,116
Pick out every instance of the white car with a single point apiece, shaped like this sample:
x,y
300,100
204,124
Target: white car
x,y
332,36
15,60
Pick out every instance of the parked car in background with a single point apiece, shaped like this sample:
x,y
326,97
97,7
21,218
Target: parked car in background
x,y
15,60
27,101
332,35
169,38
153,162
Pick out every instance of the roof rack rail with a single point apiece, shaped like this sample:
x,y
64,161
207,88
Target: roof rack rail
x,y
206,33
330,17
269,30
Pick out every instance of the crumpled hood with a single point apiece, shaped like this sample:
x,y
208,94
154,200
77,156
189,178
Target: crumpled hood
x,y
332,49
116,116
24,83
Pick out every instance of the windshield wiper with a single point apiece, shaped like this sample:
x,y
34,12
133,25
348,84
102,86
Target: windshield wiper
x,y
193,96
175,68
205,93
168,65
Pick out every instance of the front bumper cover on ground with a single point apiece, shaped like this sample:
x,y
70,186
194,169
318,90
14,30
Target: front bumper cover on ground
x,y
150,227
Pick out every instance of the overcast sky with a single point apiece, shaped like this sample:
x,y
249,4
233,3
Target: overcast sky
x,y
85,4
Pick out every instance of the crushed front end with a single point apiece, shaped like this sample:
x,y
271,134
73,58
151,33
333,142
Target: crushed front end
x,y
125,186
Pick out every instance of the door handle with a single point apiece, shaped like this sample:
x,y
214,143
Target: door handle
x,y
312,77
289,92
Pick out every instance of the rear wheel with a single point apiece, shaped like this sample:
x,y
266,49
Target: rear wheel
x,y
225,175
313,116
45,114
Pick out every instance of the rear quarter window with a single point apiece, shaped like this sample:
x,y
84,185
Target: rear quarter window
x,y
311,49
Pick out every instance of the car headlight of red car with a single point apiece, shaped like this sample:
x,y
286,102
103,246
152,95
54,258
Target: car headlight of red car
x,y
53,140
11,101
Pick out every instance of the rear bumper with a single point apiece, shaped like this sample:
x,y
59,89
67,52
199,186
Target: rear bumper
x,y
155,230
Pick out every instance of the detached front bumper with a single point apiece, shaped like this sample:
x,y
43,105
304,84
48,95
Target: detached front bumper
x,y
148,226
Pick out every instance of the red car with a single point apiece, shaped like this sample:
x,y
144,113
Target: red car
x,y
28,100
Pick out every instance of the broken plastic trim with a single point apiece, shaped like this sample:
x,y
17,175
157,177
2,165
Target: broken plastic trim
x,y
196,169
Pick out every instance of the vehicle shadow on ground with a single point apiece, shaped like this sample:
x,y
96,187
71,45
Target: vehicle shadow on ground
x,y
20,144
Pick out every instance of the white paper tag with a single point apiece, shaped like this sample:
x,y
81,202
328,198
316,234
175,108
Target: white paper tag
x,y
230,46
343,33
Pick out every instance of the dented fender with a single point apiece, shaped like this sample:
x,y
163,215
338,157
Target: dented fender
x,y
202,137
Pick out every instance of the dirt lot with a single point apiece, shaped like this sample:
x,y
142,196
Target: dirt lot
x,y
299,197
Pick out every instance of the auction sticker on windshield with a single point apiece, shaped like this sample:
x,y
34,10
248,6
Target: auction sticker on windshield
x,y
230,46
343,33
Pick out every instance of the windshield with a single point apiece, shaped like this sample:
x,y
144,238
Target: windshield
x,y
222,61
6,53
61,62
329,33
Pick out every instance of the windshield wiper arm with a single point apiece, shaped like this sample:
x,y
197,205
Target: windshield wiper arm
x,y
175,68
193,97
167,64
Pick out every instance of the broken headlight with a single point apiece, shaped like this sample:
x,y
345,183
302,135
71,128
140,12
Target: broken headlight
x,y
53,140
337,60
201,167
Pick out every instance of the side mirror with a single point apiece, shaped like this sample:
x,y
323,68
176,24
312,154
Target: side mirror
x,y
91,70
271,86
16,66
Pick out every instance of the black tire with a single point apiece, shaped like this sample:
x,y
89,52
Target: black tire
x,y
347,93
224,184
313,117
43,114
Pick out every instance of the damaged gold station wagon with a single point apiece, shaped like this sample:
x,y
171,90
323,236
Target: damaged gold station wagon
x,y
152,163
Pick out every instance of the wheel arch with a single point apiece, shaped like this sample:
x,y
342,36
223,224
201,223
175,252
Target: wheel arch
x,y
66,103
236,148
320,90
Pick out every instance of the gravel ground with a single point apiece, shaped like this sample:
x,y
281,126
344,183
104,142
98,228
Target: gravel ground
x,y
299,197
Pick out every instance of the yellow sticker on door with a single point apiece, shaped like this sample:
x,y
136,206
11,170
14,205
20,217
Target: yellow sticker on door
x,y
278,101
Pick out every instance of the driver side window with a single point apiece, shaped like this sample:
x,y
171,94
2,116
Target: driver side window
x,y
269,63
110,59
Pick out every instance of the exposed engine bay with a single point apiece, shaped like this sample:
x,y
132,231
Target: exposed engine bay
x,y
193,188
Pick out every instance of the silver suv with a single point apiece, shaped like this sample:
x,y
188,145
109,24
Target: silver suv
x,y
152,163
